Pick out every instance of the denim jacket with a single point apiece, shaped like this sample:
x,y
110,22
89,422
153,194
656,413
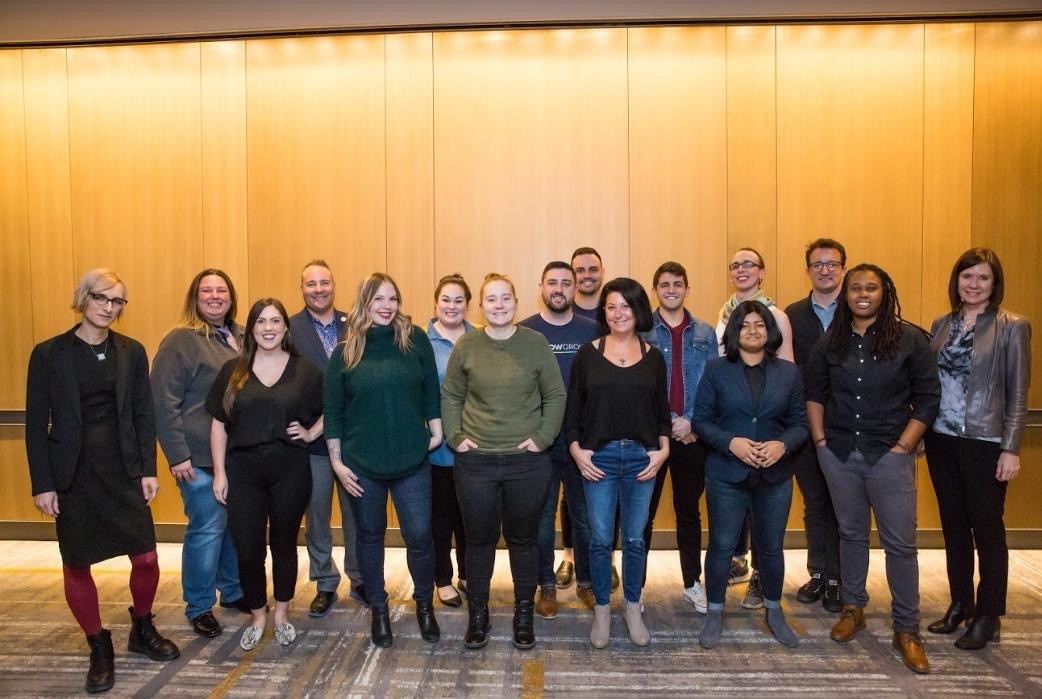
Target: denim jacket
x,y
443,455
699,344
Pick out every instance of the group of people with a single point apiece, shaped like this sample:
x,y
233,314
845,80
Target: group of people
x,y
473,431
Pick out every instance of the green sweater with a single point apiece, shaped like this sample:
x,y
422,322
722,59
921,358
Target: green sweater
x,y
380,408
501,392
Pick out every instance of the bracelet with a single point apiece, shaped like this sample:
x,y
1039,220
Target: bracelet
x,y
904,446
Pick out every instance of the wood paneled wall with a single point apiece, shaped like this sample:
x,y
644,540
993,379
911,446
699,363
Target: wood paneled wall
x,y
425,154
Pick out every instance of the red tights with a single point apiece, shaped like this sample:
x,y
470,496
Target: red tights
x,y
82,594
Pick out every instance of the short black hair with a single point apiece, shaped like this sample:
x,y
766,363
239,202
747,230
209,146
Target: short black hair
x,y
635,296
972,258
587,251
734,329
828,243
557,264
674,268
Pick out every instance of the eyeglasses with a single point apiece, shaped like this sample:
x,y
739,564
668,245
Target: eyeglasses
x,y
831,266
103,300
748,264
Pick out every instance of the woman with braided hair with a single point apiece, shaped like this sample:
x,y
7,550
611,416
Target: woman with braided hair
x,y
872,391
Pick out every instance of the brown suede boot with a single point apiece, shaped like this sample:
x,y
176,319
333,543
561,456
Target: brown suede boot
x,y
850,622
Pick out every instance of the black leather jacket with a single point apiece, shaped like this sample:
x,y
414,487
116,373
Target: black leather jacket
x,y
997,392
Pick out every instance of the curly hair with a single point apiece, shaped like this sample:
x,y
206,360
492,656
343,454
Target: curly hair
x,y
886,339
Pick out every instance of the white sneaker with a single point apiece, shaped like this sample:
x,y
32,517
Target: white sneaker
x,y
251,637
696,595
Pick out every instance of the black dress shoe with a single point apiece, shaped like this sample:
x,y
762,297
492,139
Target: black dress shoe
x,y
524,624
381,627
982,630
206,625
957,613
323,603
812,590
832,600
102,673
238,605
146,639
428,624
478,626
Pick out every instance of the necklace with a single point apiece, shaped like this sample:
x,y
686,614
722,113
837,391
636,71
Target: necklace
x,y
104,348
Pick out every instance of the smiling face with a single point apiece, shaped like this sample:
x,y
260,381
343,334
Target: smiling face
x,y
558,289
384,307
976,285
213,299
671,291
498,303
752,336
746,271
451,306
104,305
618,314
589,274
270,329
316,283
865,295
825,270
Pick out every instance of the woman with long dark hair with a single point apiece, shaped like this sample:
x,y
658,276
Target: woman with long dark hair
x,y
266,407
90,439
383,415
973,449
872,390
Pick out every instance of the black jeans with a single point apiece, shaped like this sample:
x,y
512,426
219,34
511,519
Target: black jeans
x,y
268,490
502,492
687,469
819,518
971,501
446,523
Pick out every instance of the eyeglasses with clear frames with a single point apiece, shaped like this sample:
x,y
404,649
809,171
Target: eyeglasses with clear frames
x,y
103,300
748,264
831,266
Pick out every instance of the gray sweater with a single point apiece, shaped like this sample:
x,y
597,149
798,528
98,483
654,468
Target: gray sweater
x,y
183,370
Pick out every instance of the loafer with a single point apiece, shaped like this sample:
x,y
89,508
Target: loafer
x,y
238,605
832,601
957,613
913,652
850,622
206,625
323,603
812,590
565,575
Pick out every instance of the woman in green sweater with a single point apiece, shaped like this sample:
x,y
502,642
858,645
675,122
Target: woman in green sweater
x,y
382,416
503,403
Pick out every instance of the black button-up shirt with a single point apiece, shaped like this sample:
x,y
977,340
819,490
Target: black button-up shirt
x,y
869,399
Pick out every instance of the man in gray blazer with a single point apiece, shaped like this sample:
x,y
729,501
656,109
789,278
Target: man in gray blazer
x,y
316,330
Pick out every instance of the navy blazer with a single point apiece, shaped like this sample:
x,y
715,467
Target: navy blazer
x,y
54,424
309,344
724,410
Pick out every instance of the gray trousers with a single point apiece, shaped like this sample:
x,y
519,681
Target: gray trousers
x,y
319,537
887,489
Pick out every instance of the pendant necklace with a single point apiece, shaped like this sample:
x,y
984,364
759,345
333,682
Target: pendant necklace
x,y
104,348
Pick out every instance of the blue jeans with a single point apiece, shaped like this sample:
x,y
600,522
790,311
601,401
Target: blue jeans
x,y
621,461
728,504
412,503
208,558
567,473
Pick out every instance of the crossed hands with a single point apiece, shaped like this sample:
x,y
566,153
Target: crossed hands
x,y
757,454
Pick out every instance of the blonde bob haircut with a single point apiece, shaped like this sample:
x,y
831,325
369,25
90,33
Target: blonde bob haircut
x,y
95,281
359,322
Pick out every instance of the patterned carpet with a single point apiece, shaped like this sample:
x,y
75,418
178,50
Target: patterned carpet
x,y
42,653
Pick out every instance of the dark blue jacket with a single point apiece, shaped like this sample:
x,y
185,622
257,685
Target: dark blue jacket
x,y
309,344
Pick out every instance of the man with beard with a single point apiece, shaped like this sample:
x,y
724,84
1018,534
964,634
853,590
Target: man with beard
x,y
589,277
316,331
566,332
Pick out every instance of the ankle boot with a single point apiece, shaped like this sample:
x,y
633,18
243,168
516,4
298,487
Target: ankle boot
x,y
957,613
380,629
428,624
600,632
639,635
102,673
524,624
982,630
145,639
478,625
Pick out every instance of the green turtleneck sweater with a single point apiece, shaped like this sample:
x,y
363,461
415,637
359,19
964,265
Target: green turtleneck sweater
x,y
379,409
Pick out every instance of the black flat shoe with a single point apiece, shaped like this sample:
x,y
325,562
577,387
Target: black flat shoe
x,y
957,613
102,673
983,629
322,604
428,624
455,601
478,626
206,625
238,605
524,624
381,627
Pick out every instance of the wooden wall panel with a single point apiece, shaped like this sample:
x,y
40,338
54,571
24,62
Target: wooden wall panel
x,y
850,146
1007,164
17,342
678,157
16,495
530,156
411,254
316,170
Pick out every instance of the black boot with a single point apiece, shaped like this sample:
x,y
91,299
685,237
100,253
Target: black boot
x,y
524,624
982,630
478,626
145,639
381,626
957,613
102,673
428,624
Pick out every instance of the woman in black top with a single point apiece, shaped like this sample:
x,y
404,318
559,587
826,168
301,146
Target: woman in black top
x,y
619,426
90,436
267,408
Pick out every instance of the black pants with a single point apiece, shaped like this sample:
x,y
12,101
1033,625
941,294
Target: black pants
x,y
971,501
268,487
446,522
502,492
819,517
687,468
